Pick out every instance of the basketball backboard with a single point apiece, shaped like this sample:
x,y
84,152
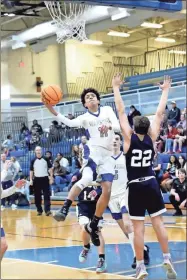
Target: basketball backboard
x,y
167,5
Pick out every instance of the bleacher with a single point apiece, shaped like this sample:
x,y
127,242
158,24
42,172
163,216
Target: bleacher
x,y
151,79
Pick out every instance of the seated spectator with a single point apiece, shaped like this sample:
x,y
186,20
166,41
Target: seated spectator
x,y
8,180
17,167
157,165
182,122
133,113
76,160
83,141
159,143
184,111
178,192
23,131
22,196
182,164
49,156
54,132
169,173
60,176
180,139
70,116
174,114
63,161
37,127
8,143
3,161
164,124
35,139
172,131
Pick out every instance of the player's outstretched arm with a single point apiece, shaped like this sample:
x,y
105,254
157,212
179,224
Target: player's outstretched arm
x,y
155,127
125,127
71,123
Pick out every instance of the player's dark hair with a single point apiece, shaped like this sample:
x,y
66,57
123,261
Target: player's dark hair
x,y
85,91
120,136
141,124
180,127
182,170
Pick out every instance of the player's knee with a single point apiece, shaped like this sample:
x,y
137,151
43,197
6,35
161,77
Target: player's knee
x,y
127,226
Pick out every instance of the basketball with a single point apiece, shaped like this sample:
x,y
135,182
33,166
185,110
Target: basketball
x,y
51,94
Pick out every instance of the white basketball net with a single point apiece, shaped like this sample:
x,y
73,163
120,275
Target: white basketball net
x,y
68,19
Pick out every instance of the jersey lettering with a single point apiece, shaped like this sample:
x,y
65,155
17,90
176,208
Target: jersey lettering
x,y
116,175
141,159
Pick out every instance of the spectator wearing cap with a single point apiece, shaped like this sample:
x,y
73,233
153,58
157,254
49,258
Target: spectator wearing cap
x,y
133,113
182,121
174,113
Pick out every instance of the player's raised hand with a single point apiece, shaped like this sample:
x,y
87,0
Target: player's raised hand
x,y
166,83
117,80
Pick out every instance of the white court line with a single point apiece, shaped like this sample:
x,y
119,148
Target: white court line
x,y
51,261
76,245
72,268
147,267
89,267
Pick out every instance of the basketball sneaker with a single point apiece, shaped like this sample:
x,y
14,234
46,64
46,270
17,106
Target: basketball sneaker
x,y
170,271
84,254
61,214
94,234
146,258
141,272
101,266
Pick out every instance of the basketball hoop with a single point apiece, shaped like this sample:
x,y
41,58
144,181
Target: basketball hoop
x,y
68,19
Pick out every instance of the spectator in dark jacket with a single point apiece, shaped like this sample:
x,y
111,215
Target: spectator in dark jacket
x,y
178,191
133,113
174,114
23,131
37,127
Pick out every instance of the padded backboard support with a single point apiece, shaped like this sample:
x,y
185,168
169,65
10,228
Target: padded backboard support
x,y
167,5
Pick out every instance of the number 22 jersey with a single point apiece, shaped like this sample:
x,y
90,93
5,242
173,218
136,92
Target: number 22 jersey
x,y
139,158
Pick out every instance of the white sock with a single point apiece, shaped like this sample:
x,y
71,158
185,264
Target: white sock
x,y
167,255
131,241
138,263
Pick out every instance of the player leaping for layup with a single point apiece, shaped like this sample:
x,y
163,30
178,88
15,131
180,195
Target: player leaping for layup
x,y
143,190
100,123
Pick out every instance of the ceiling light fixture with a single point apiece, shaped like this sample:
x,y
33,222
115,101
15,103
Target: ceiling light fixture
x,y
11,15
120,15
92,42
165,40
118,34
151,25
177,52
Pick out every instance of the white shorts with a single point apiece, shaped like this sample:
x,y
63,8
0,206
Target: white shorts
x,y
87,178
84,219
104,161
117,206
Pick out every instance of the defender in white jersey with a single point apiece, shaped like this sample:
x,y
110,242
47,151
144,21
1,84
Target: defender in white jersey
x,y
100,124
118,199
